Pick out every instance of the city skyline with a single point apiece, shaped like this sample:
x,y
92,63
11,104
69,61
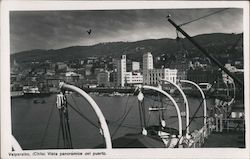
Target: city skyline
x,y
58,29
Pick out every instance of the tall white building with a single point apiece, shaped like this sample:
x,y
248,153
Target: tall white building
x,y
135,66
121,70
147,65
155,75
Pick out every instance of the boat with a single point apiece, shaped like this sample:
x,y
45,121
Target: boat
x,y
39,101
16,94
30,90
33,91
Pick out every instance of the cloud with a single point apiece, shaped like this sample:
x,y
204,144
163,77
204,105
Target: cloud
x,y
58,29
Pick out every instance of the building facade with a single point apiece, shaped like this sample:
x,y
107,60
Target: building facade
x,y
133,78
147,65
121,71
103,78
135,66
203,76
182,66
155,75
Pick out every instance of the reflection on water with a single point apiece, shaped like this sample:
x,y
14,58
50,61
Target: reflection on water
x,y
30,119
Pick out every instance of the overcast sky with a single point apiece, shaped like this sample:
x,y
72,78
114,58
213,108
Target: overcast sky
x,y
58,29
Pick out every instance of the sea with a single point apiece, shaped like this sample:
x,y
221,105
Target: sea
x,y
36,122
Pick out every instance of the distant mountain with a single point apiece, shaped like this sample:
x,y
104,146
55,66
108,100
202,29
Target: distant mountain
x,y
216,43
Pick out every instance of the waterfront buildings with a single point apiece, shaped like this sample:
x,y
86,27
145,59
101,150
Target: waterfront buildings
x,y
121,70
155,75
203,75
61,66
152,76
182,66
147,65
135,66
88,69
72,77
103,78
134,78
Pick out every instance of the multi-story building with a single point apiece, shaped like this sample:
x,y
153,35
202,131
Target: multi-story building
x,y
147,65
88,69
61,66
135,66
72,77
182,66
121,70
103,78
203,75
133,78
98,70
113,78
155,75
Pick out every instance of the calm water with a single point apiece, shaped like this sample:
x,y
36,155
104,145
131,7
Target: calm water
x,y
30,120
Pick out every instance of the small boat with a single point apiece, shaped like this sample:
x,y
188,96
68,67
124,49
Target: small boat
x,y
37,101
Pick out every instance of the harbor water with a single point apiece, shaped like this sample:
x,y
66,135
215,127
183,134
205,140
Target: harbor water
x,y
35,120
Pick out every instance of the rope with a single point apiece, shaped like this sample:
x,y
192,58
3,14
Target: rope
x,y
72,97
126,125
126,106
124,117
62,127
67,126
58,135
47,126
82,115
140,113
149,117
144,113
121,122
193,117
203,17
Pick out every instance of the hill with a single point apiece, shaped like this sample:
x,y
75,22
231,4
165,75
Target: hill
x,y
216,44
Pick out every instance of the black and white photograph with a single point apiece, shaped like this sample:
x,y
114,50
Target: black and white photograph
x,y
132,78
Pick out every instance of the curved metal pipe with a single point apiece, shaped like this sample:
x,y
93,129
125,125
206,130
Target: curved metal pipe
x,y
97,110
203,97
185,102
172,100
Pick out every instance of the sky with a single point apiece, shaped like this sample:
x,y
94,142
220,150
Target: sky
x,y
59,29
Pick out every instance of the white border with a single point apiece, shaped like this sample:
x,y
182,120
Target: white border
x,y
107,5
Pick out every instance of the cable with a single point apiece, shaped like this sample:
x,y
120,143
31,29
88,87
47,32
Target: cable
x,y
149,118
83,116
67,126
75,102
203,17
193,117
47,126
58,135
124,117
127,125
62,126
121,122
126,106
144,113
140,112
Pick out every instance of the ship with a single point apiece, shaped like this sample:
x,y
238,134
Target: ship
x,y
33,91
